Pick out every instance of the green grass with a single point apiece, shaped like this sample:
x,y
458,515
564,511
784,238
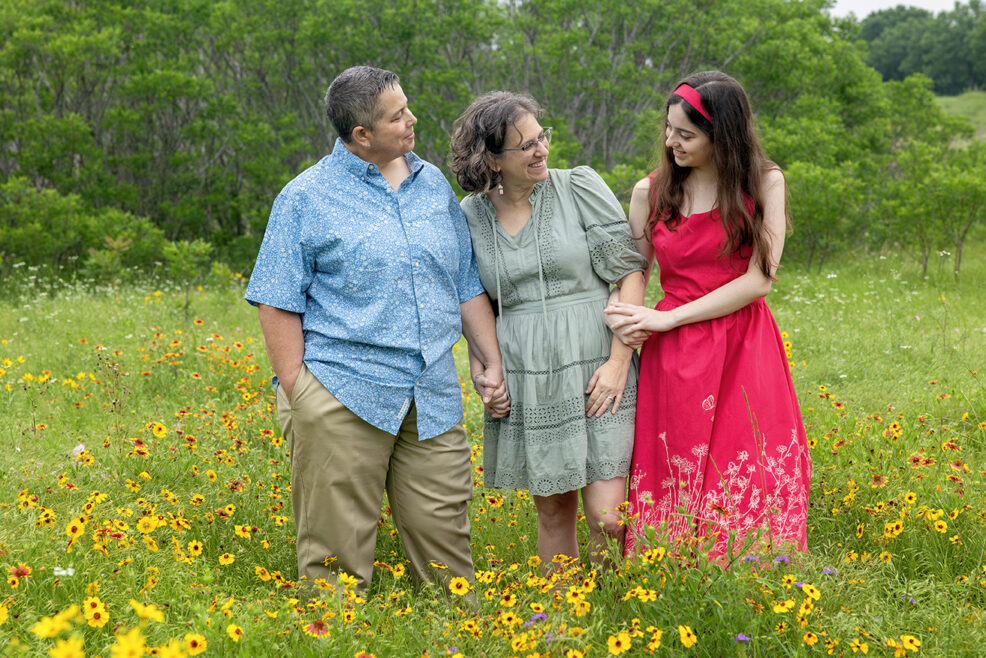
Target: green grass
x,y
889,368
971,105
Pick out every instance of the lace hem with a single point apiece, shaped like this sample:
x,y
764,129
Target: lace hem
x,y
571,481
531,423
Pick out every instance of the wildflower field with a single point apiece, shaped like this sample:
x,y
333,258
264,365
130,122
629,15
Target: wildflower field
x,y
145,503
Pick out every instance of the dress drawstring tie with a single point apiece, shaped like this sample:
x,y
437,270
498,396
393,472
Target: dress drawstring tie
x,y
541,286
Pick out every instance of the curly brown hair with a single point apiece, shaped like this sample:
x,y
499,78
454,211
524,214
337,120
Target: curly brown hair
x,y
479,135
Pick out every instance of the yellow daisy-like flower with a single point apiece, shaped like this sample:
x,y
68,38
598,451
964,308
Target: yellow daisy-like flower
x,y
4,613
52,626
508,600
811,591
399,570
70,648
619,643
574,595
910,643
195,547
654,555
147,524
128,645
226,558
941,526
862,647
459,586
195,644
75,528
687,636
97,617
171,649
262,573
810,639
784,606
234,632
149,611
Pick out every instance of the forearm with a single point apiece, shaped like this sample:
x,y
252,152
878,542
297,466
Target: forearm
x,y
284,339
631,288
479,328
724,300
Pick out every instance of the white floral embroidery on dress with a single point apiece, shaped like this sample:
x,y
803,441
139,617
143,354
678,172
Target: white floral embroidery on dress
x,y
771,495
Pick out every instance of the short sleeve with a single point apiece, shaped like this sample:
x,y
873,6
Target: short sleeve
x,y
467,283
611,248
284,268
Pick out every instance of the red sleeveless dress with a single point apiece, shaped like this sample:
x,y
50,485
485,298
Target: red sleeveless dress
x,y
719,442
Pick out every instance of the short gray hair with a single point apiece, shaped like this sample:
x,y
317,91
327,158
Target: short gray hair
x,y
351,99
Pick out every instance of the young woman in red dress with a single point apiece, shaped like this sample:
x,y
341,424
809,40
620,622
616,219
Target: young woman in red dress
x,y
719,444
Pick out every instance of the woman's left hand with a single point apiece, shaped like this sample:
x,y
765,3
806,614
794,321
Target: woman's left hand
x,y
606,387
628,318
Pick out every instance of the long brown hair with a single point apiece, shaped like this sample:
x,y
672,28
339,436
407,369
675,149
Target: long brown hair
x,y
738,159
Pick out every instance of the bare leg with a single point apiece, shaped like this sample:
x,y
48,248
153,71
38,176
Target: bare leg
x,y
600,500
556,526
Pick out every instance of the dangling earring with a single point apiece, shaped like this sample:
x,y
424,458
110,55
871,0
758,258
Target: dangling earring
x,y
499,189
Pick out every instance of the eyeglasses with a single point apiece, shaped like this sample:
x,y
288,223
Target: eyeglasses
x,y
545,137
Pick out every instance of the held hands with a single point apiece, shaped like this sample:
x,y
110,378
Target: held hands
x,y
606,387
629,321
631,338
492,389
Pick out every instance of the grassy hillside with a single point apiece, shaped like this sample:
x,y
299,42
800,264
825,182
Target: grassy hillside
x,y
971,105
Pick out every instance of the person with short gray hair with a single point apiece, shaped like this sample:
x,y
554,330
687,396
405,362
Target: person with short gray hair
x,y
365,281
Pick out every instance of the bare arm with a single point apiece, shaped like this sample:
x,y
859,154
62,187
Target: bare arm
x,y
638,216
485,364
285,343
736,294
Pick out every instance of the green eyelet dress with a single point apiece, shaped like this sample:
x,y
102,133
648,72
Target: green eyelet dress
x,y
550,283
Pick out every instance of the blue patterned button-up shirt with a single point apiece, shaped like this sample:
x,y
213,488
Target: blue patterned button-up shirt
x,y
377,276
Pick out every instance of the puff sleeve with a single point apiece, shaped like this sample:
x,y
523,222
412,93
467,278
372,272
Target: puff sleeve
x,y
611,248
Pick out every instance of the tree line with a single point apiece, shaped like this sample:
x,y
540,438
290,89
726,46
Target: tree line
x,y
134,130
948,47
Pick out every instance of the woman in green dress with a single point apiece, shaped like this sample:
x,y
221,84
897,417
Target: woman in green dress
x,y
549,244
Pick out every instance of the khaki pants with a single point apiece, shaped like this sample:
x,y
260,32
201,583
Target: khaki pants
x,y
340,467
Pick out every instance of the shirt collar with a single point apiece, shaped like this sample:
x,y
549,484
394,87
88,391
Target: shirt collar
x,y
356,165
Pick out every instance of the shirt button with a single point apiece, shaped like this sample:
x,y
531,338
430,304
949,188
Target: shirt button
x,y
421,305
415,263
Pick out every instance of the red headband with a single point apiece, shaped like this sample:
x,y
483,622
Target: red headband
x,y
689,95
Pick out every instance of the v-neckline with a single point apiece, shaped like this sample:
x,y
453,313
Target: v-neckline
x,y
516,238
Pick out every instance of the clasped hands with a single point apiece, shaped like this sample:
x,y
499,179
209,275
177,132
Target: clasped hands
x,y
634,324
492,389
